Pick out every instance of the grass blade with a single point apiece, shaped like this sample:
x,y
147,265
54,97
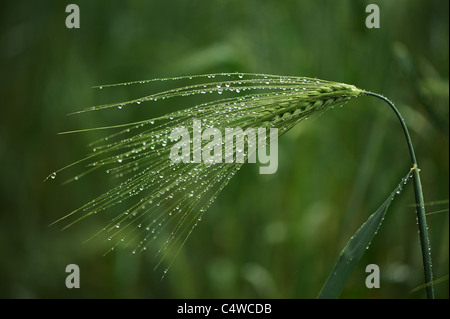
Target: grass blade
x,y
355,248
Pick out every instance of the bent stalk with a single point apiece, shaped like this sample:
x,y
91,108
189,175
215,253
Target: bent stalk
x,y
420,206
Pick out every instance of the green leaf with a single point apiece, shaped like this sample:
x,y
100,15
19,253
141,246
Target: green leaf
x,y
356,247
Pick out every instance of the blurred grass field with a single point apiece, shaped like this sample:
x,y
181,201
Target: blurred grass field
x,y
266,236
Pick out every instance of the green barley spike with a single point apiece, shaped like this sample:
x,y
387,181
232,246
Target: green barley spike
x,y
166,200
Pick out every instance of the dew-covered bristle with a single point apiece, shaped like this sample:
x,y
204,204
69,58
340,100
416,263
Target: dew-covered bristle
x,y
232,82
161,202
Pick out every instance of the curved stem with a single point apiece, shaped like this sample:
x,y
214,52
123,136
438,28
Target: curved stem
x,y
420,206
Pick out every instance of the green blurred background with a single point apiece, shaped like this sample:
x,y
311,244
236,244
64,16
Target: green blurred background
x,y
275,236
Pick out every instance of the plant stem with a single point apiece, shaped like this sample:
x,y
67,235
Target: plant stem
x,y
420,206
